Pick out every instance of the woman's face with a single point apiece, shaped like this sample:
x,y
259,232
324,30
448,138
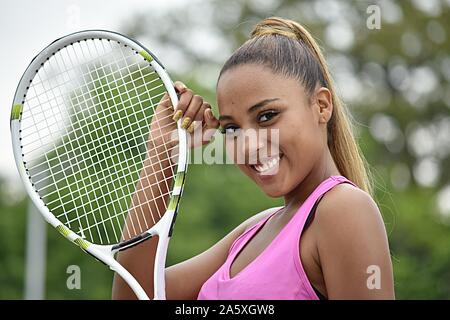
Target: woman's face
x,y
252,98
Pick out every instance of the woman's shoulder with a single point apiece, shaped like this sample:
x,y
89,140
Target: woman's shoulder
x,y
345,197
346,210
350,238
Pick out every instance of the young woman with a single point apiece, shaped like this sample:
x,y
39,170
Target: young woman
x,y
328,241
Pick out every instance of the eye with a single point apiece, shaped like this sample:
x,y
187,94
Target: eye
x,y
230,129
266,116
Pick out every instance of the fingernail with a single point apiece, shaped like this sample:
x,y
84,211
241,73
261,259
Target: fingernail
x,y
191,128
181,88
186,122
209,114
177,116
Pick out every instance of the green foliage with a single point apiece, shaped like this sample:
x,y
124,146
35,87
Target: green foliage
x,y
12,236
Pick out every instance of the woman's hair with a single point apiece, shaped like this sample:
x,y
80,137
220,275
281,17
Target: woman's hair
x,y
287,48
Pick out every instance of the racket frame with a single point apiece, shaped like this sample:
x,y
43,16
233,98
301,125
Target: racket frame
x,y
164,227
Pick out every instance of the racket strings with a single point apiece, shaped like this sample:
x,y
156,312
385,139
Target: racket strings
x,y
51,135
55,97
68,54
132,207
50,194
38,182
155,198
113,140
70,82
91,146
83,111
173,151
103,221
90,206
162,196
173,154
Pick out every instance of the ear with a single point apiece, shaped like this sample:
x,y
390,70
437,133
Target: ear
x,y
324,104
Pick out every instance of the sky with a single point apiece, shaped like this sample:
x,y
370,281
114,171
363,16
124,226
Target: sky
x,y
27,26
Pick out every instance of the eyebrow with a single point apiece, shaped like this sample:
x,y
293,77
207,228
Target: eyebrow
x,y
252,108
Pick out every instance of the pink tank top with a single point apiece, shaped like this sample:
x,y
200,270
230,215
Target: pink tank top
x,y
277,273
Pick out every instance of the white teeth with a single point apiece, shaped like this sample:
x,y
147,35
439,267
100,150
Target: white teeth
x,y
271,163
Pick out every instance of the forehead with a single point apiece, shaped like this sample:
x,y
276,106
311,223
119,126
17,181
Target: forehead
x,y
246,85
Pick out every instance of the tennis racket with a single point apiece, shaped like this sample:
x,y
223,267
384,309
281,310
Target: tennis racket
x,y
90,140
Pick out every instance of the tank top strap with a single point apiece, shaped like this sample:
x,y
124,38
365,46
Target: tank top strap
x,y
250,231
297,221
302,213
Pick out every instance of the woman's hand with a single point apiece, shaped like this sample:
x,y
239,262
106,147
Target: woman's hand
x,y
195,114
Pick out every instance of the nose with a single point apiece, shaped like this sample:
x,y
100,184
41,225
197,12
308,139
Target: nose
x,y
250,144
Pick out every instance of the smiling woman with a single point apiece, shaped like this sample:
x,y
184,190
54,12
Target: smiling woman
x,y
329,235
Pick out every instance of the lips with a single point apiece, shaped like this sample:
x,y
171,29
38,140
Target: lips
x,y
268,166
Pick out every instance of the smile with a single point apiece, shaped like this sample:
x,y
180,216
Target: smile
x,y
268,166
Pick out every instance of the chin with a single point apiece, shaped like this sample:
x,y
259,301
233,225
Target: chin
x,y
274,193
268,175
273,190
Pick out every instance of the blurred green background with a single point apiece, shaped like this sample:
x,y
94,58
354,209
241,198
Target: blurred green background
x,y
396,82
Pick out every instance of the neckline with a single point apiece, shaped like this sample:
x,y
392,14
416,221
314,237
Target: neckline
x,y
258,226
261,225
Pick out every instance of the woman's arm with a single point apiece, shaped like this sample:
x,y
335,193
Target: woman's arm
x,y
183,280
150,199
353,246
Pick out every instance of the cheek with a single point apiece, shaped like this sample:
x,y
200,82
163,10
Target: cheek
x,y
302,144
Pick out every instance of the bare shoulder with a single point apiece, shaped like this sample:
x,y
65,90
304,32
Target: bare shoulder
x,y
346,204
348,219
351,237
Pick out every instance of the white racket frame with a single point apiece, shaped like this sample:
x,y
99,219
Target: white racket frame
x,y
163,228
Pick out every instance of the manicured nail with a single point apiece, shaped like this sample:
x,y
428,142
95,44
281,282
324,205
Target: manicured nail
x,y
191,128
209,114
177,116
181,88
186,122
